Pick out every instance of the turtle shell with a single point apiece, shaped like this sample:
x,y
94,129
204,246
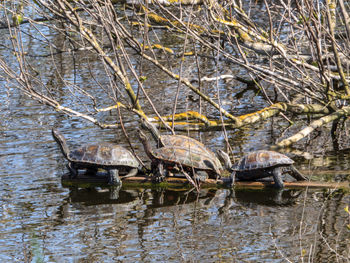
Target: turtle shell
x,y
190,144
103,154
261,160
182,156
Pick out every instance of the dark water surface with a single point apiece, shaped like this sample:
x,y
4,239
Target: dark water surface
x,y
43,220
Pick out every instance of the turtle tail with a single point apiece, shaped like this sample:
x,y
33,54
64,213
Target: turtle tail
x,y
296,174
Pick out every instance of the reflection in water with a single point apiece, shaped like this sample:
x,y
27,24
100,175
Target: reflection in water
x,y
270,197
161,197
175,225
153,198
98,195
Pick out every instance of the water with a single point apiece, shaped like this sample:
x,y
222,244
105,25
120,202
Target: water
x,y
44,220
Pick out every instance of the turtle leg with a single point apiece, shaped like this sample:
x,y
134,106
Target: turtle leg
x,y
277,177
114,178
200,176
296,174
131,173
160,173
73,171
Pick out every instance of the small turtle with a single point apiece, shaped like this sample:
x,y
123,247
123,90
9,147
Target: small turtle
x,y
112,157
261,164
171,158
179,141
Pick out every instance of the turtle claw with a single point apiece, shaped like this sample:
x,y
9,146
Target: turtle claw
x,y
158,178
160,173
73,171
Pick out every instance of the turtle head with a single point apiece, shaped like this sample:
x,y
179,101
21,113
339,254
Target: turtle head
x,y
61,141
225,158
56,134
145,142
142,135
147,125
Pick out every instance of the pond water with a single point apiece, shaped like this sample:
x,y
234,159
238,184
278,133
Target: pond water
x,y
44,220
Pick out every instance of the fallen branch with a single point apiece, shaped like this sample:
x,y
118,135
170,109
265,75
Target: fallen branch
x,y
188,115
314,125
203,122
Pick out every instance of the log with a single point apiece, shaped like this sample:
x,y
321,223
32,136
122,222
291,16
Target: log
x,y
141,181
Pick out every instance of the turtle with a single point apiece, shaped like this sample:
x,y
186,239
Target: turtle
x,y
171,158
261,164
170,140
113,158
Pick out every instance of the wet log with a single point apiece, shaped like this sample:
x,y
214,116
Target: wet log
x,y
179,181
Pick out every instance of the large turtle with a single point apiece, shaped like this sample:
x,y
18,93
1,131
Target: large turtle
x,y
168,140
261,164
112,157
173,158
